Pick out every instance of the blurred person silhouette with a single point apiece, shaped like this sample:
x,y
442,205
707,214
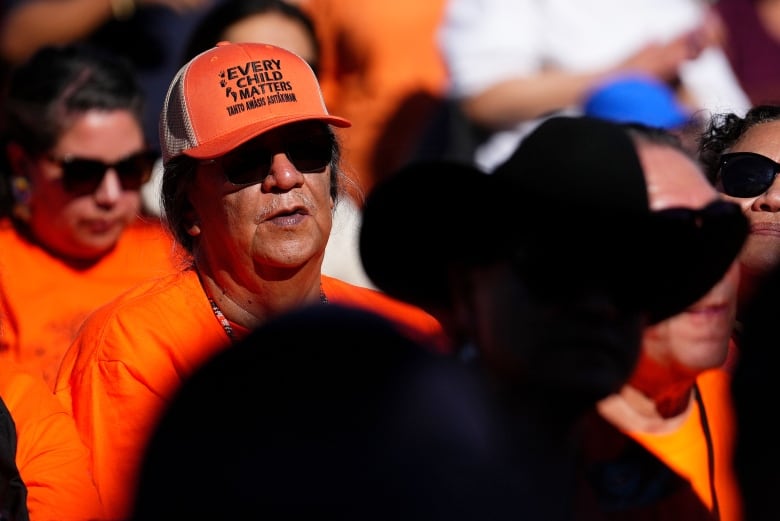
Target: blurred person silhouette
x,y
72,235
251,178
380,68
676,402
756,455
752,44
373,427
512,63
13,492
52,461
150,34
556,321
280,23
740,155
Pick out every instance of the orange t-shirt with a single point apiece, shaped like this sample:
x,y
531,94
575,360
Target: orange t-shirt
x,y
685,450
51,459
44,300
134,353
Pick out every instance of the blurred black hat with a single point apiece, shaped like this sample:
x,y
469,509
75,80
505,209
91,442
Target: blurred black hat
x,y
428,216
571,208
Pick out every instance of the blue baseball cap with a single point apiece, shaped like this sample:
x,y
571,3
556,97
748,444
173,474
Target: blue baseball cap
x,y
637,99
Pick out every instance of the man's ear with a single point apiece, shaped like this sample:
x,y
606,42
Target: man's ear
x,y
192,223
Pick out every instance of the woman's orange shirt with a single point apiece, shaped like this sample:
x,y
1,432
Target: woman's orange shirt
x,y
44,300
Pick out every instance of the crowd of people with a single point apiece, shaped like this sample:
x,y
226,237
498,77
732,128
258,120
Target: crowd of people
x,y
485,272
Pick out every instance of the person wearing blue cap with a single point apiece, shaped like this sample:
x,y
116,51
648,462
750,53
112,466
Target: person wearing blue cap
x,y
637,99
645,100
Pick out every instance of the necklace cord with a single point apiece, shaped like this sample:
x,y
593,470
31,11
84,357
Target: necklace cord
x,y
705,427
225,323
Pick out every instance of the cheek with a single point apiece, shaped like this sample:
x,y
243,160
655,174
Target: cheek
x,y
656,336
49,197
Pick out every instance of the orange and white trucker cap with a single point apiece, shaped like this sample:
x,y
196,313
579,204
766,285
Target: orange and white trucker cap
x,y
234,92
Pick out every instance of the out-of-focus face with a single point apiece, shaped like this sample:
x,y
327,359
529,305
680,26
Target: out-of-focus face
x,y
580,345
278,223
696,339
761,252
276,29
85,226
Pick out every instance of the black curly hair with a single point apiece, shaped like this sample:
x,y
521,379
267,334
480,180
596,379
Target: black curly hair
x,y
725,129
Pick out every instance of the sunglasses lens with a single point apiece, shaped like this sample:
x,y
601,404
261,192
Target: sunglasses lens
x,y
312,155
250,164
82,176
746,175
135,170
246,165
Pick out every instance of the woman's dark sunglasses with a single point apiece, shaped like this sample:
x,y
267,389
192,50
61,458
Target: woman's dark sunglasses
x,y
83,176
746,174
251,163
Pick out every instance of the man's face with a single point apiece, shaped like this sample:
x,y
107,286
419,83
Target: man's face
x,y
278,219
696,339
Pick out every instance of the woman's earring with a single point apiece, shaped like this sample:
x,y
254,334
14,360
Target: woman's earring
x,y
20,189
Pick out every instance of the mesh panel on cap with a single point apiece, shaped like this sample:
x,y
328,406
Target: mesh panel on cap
x,y
176,132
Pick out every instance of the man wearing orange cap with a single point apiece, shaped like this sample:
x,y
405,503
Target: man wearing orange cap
x,y
250,183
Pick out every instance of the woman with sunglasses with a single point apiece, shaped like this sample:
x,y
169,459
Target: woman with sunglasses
x,y
741,155
72,234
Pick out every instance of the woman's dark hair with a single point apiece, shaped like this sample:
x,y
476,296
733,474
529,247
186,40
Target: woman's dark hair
x,y
212,26
60,82
180,174
724,130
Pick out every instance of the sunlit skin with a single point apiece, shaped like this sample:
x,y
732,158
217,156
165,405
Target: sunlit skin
x,y
676,350
259,247
85,227
761,252
276,29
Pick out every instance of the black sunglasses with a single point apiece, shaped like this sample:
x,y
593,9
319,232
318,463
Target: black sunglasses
x,y
83,176
746,174
718,222
250,163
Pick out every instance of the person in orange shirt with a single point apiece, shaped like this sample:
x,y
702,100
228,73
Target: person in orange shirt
x,y
72,235
250,182
52,460
676,402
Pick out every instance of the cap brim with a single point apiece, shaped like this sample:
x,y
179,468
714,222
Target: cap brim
x,y
689,265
